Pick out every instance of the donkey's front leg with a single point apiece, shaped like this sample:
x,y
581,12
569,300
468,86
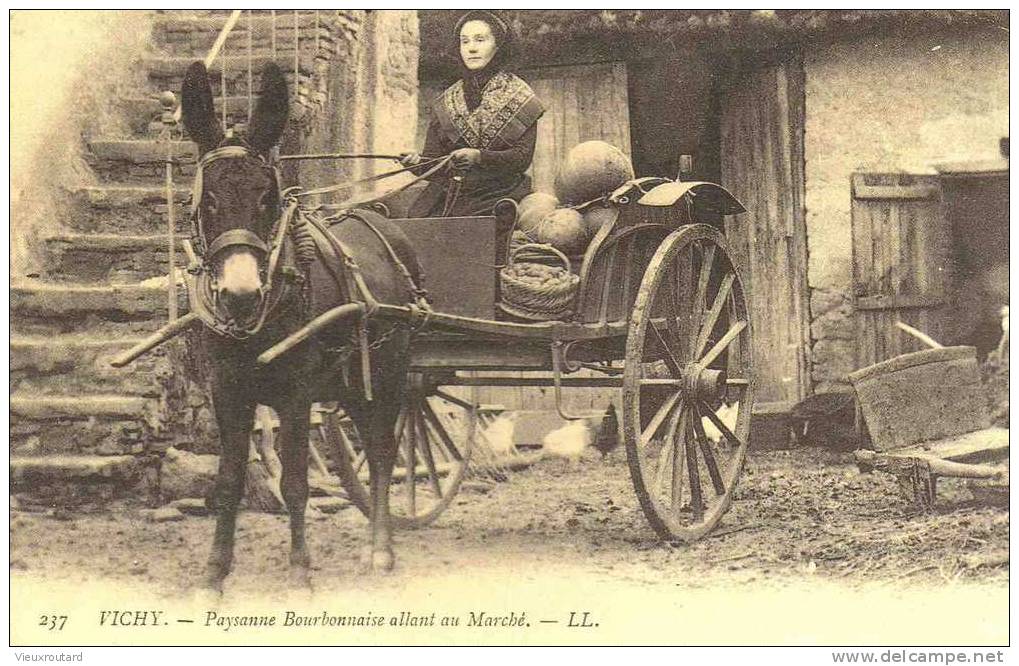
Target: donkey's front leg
x,y
295,414
233,415
381,458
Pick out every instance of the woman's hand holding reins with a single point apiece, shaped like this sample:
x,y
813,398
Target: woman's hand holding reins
x,y
465,158
410,159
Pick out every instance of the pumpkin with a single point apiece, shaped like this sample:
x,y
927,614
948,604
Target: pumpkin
x,y
564,230
598,216
532,209
590,170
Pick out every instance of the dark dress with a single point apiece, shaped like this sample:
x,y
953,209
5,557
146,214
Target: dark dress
x,y
503,127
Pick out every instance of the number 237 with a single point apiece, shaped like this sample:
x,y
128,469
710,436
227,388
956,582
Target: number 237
x,y
53,622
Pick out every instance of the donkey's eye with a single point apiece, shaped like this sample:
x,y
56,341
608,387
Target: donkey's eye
x,y
264,201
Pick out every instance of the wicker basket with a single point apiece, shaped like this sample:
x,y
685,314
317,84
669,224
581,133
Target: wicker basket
x,y
529,300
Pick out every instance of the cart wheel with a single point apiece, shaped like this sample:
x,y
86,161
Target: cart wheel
x,y
435,434
688,364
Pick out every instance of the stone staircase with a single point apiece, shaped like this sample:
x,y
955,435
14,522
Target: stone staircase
x,y
81,429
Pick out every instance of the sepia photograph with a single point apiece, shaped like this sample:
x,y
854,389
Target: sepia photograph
x,y
517,327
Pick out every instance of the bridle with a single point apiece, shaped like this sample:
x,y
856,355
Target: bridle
x,y
202,292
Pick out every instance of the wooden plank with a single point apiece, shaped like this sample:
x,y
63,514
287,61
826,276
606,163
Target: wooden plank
x,y
898,301
984,445
891,192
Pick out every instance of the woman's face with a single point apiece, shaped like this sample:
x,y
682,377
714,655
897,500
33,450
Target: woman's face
x,y
477,44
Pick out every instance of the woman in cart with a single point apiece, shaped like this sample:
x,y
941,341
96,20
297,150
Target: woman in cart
x,y
487,121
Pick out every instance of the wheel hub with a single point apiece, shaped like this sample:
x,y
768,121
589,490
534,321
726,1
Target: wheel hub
x,y
701,383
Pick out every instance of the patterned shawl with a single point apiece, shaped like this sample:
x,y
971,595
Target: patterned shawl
x,y
508,109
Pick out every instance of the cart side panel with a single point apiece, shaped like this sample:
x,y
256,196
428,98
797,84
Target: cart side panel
x,y
458,256
615,262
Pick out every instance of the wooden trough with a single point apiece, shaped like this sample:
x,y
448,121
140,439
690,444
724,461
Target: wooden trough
x,y
927,418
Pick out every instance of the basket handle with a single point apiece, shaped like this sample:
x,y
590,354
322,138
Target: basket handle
x,y
544,247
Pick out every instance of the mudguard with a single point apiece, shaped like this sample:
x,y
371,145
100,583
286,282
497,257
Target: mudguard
x,y
706,196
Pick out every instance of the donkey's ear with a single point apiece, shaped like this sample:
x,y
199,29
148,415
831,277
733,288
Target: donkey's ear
x,y
270,116
197,110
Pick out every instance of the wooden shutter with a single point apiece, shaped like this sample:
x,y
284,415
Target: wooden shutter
x,y
901,262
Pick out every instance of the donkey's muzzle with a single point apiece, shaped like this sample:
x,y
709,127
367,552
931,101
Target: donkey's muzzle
x,y
241,305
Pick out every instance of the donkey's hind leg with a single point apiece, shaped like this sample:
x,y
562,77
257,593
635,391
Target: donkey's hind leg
x,y
234,416
294,416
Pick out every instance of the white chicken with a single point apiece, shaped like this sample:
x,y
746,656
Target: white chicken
x,y
499,435
727,414
567,442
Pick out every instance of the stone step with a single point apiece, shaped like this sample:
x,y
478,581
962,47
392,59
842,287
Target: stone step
x,y
195,35
88,424
143,113
167,72
130,209
39,308
109,258
141,160
76,364
63,481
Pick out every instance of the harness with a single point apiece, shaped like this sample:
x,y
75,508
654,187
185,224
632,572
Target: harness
x,y
281,276
291,249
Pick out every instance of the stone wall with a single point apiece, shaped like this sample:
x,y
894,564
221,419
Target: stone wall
x,y
68,69
366,102
886,104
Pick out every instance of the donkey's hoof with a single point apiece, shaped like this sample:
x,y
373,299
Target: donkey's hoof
x,y
382,561
207,596
300,578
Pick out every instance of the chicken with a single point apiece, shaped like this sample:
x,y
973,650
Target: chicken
x,y
567,442
499,435
1003,343
607,432
726,414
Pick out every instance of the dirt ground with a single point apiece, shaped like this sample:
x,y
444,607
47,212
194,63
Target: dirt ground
x,y
803,516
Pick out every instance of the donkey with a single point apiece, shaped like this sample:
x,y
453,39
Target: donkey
x,y
250,302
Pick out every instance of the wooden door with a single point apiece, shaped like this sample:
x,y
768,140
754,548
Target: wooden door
x,y
582,103
901,263
762,165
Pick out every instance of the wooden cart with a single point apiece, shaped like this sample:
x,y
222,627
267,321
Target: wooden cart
x,y
661,314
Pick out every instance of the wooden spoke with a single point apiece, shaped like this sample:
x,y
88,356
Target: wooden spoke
x,y
670,356
425,449
696,497
436,438
656,421
664,462
671,451
682,456
723,342
722,428
359,461
672,309
712,317
410,463
700,300
709,458
440,429
737,381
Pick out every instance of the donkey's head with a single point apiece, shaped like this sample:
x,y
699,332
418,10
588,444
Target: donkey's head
x,y
237,198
